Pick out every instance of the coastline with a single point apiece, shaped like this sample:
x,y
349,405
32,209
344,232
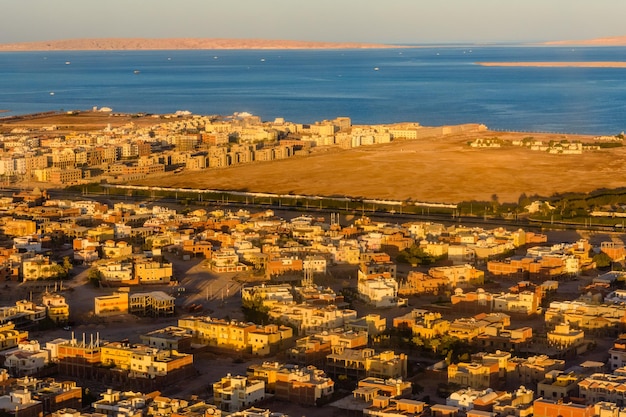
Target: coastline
x,y
605,64
141,44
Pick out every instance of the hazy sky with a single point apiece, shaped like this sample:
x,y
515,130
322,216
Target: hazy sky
x,y
387,21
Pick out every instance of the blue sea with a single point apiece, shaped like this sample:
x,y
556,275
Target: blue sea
x,y
429,85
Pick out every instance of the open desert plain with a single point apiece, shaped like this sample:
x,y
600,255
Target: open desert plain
x,y
436,169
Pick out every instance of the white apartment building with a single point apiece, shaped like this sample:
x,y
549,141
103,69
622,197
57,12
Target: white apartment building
x,y
234,393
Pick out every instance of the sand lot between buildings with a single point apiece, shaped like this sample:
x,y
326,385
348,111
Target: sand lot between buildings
x,y
440,169
434,169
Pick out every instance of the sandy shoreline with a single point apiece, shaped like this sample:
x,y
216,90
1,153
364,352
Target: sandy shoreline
x,y
605,64
137,44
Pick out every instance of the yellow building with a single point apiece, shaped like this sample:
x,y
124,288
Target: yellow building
x,y
39,267
116,303
431,326
219,333
143,361
10,336
238,336
267,339
101,233
18,227
65,176
474,375
116,354
563,336
146,362
148,271
57,309
362,363
112,250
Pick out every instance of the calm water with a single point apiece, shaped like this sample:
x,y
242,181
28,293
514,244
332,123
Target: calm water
x,y
433,86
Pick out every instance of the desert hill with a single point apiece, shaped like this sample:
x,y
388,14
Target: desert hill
x,y
113,44
611,41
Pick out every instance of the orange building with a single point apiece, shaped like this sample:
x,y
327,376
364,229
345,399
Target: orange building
x,y
616,251
420,283
549,408
522,268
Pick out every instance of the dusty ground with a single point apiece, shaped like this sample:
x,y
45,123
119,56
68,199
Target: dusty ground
x,y
443,169
80,122
437,169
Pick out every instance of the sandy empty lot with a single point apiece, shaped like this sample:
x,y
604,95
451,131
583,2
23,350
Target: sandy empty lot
x,y
436,169
443,169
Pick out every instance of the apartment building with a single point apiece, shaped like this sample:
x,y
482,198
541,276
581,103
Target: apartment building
x,y
154,303
363,363
309,319
10,337
224,334
544,407
383,406
267,295
420,283
379,289
603,387
170,338
40,267
474,375
116,303
26,359
558,385
234,393
150,363
390,387
564,336
458,275
268,339
300,385
116,250
151,271
121,404
529,371
238,336
57,308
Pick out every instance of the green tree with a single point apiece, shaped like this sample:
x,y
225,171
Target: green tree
x,y
602,260
67,264
94,276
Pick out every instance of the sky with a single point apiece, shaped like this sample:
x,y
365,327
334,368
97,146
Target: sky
x,y
377,21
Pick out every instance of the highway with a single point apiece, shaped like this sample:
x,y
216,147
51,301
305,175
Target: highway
x,y
383,214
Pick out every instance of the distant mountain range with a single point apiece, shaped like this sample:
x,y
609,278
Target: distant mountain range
x,y
117,44
613,41
113,44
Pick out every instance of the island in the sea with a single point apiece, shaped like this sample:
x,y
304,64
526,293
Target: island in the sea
x,y
561,64
113,44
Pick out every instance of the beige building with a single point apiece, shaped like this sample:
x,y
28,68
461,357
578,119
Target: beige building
x,y
563,336
362,363
154,303
234,393
310,319
474,375
113,250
